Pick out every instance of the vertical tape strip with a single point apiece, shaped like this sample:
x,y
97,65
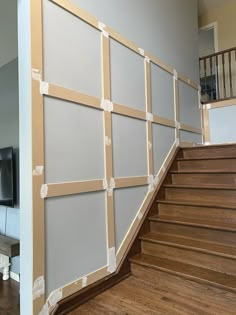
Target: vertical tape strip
x,y
112,260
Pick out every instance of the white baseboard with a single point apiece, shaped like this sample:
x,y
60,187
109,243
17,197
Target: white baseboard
x,y
14,276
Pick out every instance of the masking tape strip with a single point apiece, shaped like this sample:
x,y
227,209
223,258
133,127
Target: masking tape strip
x,y
207,106
153,181
111,187
149,145
55,297
175,74
207,143
177,124
84,281
101,27
38,171
44,191
149,117
36,75
45,310
38,288
141,51
106,105
107,141
148,60
140,215
111,260
177,142
44,86
105,184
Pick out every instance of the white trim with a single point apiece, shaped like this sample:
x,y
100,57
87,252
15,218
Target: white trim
x,y
15,276
213,26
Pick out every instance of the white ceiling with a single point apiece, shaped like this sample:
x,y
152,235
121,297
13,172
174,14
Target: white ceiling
x,y
8,31
204,5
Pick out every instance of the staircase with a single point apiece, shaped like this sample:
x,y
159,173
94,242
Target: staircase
x,y
191,240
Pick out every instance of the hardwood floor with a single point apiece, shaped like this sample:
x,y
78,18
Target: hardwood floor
x,y
136,296
9,293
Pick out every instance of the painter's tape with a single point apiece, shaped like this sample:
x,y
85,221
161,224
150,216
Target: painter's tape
x,y
45,310
177,142
151,185
105,185
149,145
38,171
148,60
106,105
102,27
55,297
36,75
44,191
207,143
111,187
111,259
44,86
149,117
39,287
189,81
207,106
177,124
107,141
84,281
140,216
156,180
141,51
175,74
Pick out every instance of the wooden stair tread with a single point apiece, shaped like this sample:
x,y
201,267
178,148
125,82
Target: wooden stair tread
x,y
207,158
214,187
197,204
187,243
202,172
191,272
224,226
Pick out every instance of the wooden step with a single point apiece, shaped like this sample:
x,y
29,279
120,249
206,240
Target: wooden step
x,y
210,151
197,203
216,164
194,229
204,178
212,256
195,211
198,274
217,194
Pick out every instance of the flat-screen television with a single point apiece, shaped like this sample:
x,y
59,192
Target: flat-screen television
x,y
6,177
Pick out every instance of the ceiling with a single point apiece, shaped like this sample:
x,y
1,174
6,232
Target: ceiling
x,y
204,5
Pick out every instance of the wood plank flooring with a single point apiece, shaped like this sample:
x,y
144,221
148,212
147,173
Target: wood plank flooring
x,y
9,292
135,296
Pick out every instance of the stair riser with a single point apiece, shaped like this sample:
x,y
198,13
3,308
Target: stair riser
x,y
205,179
205,234
191,212
195,290
226,151
209,195
190,256
210,165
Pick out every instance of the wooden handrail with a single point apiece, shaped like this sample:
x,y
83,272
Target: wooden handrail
x,y
217,75
218,53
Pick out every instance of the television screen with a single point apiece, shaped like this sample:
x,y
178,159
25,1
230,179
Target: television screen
x,y
6,177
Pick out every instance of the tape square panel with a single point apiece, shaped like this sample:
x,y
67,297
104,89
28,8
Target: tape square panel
x,y
73,142
75,238
129,146
127,77
162,91
163,140
70,59
189,106
127,203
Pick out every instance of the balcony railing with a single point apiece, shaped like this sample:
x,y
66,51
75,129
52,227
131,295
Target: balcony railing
x,y
218,76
